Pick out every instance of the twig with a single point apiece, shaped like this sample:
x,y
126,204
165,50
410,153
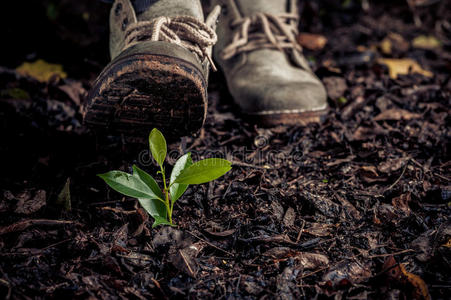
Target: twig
x,y
22,225
300,232
8,285
391,254
242,164
399,178
210,244
56,244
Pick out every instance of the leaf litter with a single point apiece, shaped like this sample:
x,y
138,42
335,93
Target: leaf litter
x,y
369,184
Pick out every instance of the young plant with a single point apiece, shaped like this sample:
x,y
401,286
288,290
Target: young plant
x,y
159,203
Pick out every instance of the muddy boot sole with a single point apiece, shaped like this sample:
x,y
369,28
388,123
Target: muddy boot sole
x,y
139,91
300,119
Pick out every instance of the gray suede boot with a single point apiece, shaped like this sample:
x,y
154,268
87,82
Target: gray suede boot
x,y
159,69
266,72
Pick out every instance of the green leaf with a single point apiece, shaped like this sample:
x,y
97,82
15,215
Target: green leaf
x,y
176,190
155,208
158,146
204,171
147,179
128,185
161,221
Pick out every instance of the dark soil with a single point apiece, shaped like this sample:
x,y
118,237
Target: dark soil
x,y
357,207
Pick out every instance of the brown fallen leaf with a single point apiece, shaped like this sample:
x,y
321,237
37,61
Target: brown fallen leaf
x,y
414,285
31,202
355,272
348,208
289,218
392,165
335,87
403,67
224,233
75,91
185,259
393,41
41,70
402,203
370,169
312,41
306,260
311,260
366,133
396,114
423,245
388,214
319,229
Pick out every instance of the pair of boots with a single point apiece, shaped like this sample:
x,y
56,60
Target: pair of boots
x,y
161,54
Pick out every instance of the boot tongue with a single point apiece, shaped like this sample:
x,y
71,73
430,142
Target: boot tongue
x,y
250,7
168,8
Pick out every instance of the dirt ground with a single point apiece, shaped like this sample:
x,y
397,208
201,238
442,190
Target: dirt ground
x,y
357,207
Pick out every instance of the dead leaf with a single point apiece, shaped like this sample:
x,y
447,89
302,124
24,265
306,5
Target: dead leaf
x,y
286,285
363,133
75,91
225,233
312,260
41,70
414,285
387,214
370,169
305,260
392,165
348,208
369,174
355,272
335,86
402,203
426,42
319,229
30,202
422,245
396,114
251,285
185,259
386,46
403,67
393,41
290,217
312,41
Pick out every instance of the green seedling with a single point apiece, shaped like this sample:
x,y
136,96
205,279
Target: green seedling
x,y
159,203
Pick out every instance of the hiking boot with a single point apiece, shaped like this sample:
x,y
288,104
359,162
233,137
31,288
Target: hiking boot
x,y
266,73
159,69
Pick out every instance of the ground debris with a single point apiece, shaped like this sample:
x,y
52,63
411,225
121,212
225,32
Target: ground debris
x,y
307,212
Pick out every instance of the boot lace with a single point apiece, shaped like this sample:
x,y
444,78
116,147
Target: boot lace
x,y
185,31
261,31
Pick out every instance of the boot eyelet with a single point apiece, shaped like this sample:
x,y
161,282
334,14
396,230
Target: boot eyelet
x,y
124,24
118,9
224,10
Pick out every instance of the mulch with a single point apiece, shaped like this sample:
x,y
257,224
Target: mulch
x,y
354,208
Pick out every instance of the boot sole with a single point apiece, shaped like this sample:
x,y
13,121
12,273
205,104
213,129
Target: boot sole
x,y
138,92
300,119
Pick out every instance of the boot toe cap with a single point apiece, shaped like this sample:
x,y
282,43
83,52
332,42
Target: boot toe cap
x,y
285,97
